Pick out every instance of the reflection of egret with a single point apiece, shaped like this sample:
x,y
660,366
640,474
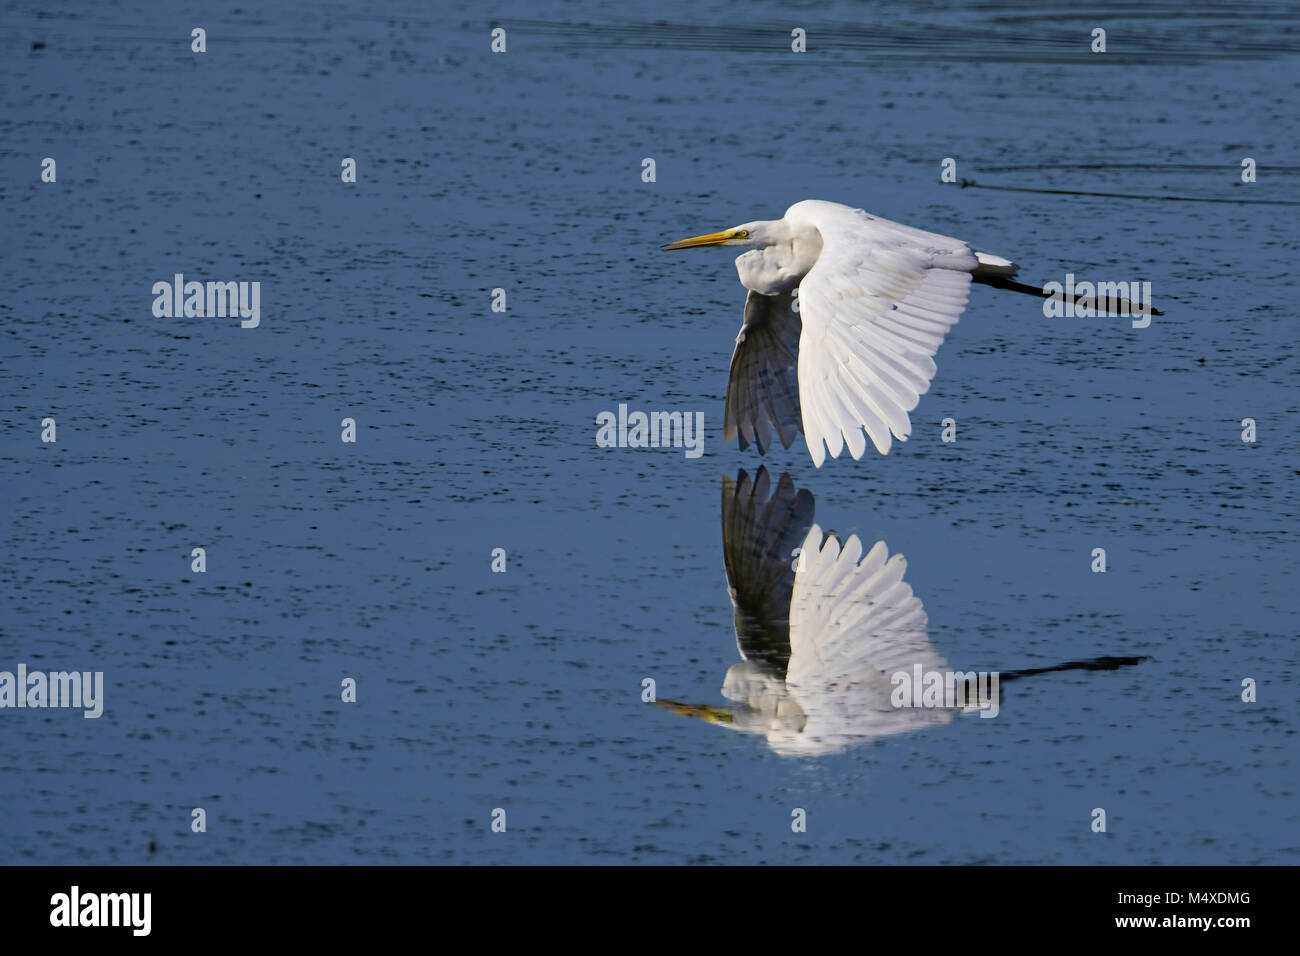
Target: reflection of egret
x,y
821,628
874,301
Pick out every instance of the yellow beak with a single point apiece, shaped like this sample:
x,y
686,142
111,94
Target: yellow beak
x,y
714,715
696,242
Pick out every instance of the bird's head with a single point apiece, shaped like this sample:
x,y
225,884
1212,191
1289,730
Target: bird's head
x,y
751,235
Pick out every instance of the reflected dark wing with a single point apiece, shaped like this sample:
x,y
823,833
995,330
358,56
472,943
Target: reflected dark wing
x,y
763,390
759,537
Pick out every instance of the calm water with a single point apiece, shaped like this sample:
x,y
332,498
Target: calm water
x,y
522,690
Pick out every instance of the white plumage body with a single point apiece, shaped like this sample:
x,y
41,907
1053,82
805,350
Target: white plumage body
x,y
872,301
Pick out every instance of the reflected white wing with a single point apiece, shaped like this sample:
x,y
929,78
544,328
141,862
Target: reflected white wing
x,y
854,622
875,308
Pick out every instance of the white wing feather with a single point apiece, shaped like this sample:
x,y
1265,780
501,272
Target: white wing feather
x,y
854,622
875,308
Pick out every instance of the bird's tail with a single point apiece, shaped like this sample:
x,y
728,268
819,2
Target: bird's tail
x,y
997,272
991,266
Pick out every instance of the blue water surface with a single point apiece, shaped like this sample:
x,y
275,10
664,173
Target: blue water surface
x,y
523,171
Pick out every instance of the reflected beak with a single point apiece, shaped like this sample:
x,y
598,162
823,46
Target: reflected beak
x,y
697,242
714,715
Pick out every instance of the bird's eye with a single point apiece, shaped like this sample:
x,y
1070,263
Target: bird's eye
x,y
742,234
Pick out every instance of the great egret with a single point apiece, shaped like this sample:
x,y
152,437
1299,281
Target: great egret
x,y
874,301
821,628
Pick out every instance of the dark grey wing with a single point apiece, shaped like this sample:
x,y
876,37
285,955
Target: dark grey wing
x,y
759,538
763,390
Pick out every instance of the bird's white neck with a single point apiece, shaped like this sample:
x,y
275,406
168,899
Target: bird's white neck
x,y
782,258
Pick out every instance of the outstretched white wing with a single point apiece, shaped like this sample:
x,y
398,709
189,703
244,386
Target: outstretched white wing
x,y
854,623
875,308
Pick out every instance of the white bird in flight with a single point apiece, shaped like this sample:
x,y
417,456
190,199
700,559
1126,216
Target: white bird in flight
x,y
845,313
